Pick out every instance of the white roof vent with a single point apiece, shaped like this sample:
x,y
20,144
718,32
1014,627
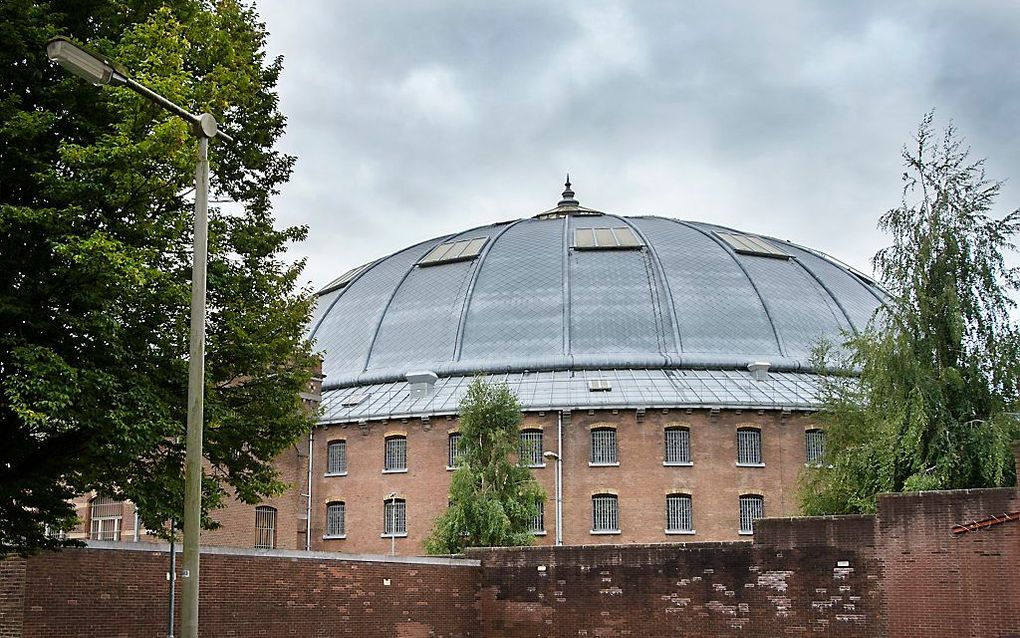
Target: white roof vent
x,y
759,370
421,384
599,385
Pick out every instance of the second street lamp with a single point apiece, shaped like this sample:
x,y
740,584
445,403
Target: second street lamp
x,y
100,70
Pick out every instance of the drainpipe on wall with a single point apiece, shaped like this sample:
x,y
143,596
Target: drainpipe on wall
x,y
136,525
308,494
559,478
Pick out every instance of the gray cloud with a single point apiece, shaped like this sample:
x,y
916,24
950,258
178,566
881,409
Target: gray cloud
x,y
414,119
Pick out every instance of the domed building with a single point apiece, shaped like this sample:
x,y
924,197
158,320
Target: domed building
x,y
663,367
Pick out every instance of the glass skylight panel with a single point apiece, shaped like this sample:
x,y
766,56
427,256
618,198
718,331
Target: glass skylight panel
x,y
345,278
458,250
604,237
750,245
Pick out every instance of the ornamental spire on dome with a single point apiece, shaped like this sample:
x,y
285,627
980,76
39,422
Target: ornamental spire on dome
x,y
568,195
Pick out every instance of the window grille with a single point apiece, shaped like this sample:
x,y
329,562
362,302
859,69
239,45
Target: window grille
x,y
336,461
603,446
394,517
537,524
678,513
749,446
396,454
678,446
530,448
752,508
605,516
265,527
814,446
106,517
335,519
453,450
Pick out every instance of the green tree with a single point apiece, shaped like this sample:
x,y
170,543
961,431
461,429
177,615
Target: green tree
x,y
95,257
938,367
493,496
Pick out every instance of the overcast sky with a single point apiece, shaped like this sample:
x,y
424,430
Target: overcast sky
x,y
415,119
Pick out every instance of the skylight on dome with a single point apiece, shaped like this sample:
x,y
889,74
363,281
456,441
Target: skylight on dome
x,y
752,245
459,250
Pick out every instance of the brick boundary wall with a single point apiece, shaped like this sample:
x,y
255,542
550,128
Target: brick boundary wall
x,y
109,590
12,597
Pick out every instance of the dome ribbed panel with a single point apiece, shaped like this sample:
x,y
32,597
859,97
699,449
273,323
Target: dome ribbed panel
x,y
716,307
854,296
516,308
613,308
802,311
420,326
346,331
322,305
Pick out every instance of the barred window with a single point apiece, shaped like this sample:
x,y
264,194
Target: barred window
x,y
336,513
679,517
396,454
530,448
749,446
814,446
537,525
394,517
453,450
605,515
678,446
265,527
752,507
106,517
336,457
603,446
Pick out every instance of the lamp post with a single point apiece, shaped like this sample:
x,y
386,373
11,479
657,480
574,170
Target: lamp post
x,y
559,494
100,70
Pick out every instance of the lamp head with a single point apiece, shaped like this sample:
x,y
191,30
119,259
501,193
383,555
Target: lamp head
x,y
551,455
83,63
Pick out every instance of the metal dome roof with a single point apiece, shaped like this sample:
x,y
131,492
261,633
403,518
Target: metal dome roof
x,y
573,288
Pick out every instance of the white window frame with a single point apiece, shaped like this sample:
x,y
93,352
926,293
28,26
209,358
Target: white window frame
x,y
605,514
537,524
336,520
814,446
336,458
680,449
531,447
452,450
394,517
265,527
749,450
599,439
106,519
395,460
752,508
679,511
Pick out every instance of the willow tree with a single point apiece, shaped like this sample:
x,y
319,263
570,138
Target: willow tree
x,y
493,495
95,265
934,404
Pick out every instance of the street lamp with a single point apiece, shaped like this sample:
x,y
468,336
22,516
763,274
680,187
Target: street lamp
x,y
100,70
559,494
392,498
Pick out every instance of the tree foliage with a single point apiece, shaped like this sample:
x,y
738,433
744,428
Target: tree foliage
x,y
934,405
493,496
95,265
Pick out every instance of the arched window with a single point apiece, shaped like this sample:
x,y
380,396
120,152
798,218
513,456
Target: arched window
x,y
395,517
749,447
336,458
752,507
605,514
679,517
395,458
265,527
814,446
453,450
677,446
105,518
336,520
603,447
530,448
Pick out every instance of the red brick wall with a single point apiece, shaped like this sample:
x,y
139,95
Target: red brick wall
x,y
117,592
699,589
941,584
12,597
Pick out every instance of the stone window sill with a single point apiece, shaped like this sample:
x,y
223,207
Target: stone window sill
x,y
670,464
750,464
400,535
400,471
604,532
334,537
332,474
680,532
590,464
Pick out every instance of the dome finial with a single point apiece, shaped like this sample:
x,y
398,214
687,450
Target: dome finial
x,y
568,195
